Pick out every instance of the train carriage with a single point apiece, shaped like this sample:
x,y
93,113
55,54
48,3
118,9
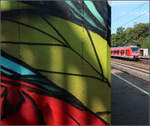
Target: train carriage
x,y
144,52
129,52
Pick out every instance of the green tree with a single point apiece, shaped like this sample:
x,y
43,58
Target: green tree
x,y
141,31
120,36
132,36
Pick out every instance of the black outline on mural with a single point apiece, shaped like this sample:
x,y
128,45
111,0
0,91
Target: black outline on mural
x,y
77,104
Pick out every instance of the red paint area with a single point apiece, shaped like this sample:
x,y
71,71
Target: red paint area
x,y
26,107
2,90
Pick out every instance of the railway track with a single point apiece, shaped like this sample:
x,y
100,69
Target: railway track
x,y
145,58
142,63
133,70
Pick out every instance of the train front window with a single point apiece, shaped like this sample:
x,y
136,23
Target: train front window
x,y
135,50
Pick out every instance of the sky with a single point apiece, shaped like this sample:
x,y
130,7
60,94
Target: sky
x,y
128,13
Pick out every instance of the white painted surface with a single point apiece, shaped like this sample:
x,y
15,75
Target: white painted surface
x,y
145,51
130,83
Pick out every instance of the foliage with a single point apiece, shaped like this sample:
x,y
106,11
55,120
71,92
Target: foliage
x,y
138,35
146,43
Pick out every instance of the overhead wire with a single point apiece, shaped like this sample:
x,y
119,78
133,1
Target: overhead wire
x,y
131,11
134,18
131,20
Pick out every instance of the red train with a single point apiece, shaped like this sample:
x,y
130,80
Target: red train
x,y
129,52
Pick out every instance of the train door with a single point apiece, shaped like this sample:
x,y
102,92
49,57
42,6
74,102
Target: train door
x,y
117,52
124,52
120,52
127,52
142,52
130,52
114,52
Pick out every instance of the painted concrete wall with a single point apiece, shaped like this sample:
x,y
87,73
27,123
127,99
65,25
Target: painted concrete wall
x,y
55,63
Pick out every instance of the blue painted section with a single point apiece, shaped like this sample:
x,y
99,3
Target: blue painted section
x,y
15,67
93,10
90,20
107,15
83,14
75,14
72,5
5,71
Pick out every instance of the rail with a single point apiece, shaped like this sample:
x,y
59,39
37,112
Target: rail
x,y
138,72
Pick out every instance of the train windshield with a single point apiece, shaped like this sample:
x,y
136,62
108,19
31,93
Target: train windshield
x,y
135,50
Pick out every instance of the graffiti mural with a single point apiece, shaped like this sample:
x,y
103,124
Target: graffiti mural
x,y
55,62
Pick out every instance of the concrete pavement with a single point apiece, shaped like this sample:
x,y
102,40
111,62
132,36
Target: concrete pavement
x,y
130,104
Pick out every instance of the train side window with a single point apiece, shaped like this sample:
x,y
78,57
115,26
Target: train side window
x,y
119,51
127,51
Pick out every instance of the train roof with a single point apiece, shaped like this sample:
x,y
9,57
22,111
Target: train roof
x,y
124,47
